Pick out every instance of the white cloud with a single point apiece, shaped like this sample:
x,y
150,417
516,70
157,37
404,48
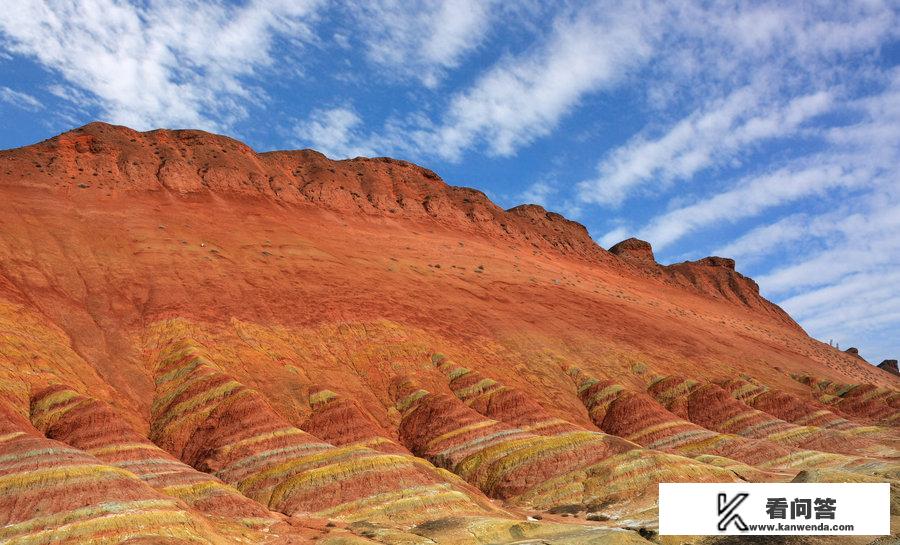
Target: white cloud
x,y
867,241
522,98
867,157
20,99
334,132
757,71
840,276
701,140
860,309
538,193
613,237
763,240
753,195
422,39
163,63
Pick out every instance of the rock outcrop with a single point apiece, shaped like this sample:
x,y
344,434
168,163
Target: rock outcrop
x,y
712,276
853,351
102,158
200,343
890,366
635,250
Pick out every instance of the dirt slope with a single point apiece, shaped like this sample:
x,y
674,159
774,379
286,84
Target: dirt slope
x,y
308,289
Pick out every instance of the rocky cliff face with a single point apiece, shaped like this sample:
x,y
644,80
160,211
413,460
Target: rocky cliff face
x,y
217,345
106,158
890,366
712,276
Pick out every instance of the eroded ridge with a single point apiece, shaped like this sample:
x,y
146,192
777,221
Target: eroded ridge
x,y
638,417
582,467
341,421
495,400
712,407
94,427
800,411
218,425
53,493
871,403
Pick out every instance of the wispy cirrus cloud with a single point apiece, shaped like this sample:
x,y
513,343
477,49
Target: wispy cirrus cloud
x,y
702,140
161,63
836,263
766,239
754,195
20,99
423,39
847,289
335,132
522,98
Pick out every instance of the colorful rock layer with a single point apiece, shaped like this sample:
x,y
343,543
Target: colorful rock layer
x,y
524,468
52,493
342,421
494,400
804,412
94,427
868,402
217,425
712,407
639,417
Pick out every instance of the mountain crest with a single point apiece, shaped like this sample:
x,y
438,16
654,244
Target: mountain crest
x,y
102,159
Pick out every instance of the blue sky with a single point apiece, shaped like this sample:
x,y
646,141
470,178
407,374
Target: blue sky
x,y
768,132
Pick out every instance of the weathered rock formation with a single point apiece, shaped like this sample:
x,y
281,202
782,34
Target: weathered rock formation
x,y
890,366
200,343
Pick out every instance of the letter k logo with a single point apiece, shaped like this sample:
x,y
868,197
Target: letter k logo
x,y
727,513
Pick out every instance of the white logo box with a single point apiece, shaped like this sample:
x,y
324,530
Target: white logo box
x,y
695,509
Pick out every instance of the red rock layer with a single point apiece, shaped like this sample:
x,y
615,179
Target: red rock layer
x,y
103,157
93,426
712,276
505,462
710,406
342,421
494,400
219,426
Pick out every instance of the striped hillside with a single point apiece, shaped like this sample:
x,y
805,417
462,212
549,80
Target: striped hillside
x,y
217,425
712,407
53,493
342,421
870,403
494,400
639,417
94,427
800,411
509,463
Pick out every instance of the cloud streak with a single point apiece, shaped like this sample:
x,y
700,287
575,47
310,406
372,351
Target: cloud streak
x,y
422,40
522,98
20,99
163,64
334,132
702,140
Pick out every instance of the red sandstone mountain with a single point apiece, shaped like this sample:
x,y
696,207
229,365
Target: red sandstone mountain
x,y
276,328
